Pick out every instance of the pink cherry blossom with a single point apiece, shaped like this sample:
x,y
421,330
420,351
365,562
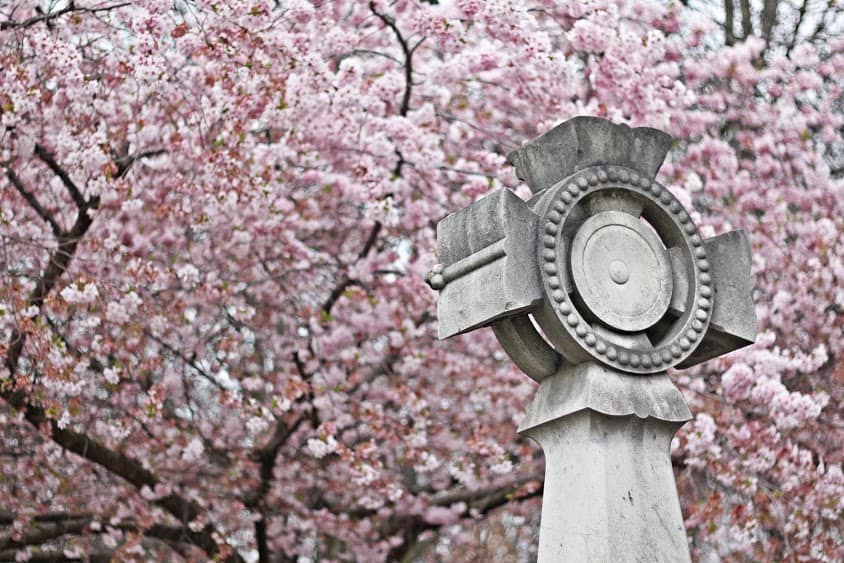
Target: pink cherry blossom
x,y
215,223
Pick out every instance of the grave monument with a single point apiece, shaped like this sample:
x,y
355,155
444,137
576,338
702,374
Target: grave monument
x,y
595,287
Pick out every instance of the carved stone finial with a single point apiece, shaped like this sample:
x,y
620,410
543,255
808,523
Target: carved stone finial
x,y
435,277
585,141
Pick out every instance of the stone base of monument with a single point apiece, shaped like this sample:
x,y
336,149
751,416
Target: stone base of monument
x,y
610,493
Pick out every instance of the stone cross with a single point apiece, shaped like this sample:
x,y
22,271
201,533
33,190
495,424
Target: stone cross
x,y
595,287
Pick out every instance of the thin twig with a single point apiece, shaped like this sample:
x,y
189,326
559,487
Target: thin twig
x,y
801,13
48,17
50,161
33,202
266,456
125,164
348,282
408,56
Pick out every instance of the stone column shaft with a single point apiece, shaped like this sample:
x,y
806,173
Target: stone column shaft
x,y
609,490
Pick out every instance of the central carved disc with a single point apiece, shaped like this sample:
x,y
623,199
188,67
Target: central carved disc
x,y
621,271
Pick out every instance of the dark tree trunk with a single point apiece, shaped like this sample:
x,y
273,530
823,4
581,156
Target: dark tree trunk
x,y
729,16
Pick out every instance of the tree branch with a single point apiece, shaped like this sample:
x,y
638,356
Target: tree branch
x,y
480,501
125,161
347,282
117,463
181,356
746,22
408,54
46,531
59,262
336,293
481,496
370,241
48,17
33,202
821,27
8,518
50,161
53,525
408,51
132,471
729,22
769,19
266,456
801,13
58,556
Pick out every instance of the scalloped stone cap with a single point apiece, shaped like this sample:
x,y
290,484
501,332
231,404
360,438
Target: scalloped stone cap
x,y
585,141
605,390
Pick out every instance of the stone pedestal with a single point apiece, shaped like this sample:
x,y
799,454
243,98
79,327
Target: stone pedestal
x,y
609,491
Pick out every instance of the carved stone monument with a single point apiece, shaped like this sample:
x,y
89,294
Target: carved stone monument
x,y
595,287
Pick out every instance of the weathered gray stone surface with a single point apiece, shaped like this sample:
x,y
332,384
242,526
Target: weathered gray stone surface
x,y
595,287
733,323
526,347
589,386
487,254
621,271
586,141
609,490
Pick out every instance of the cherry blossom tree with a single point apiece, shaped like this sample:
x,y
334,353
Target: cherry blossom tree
x,y
215,221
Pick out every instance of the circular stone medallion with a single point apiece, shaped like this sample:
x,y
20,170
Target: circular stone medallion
x,y
621,271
